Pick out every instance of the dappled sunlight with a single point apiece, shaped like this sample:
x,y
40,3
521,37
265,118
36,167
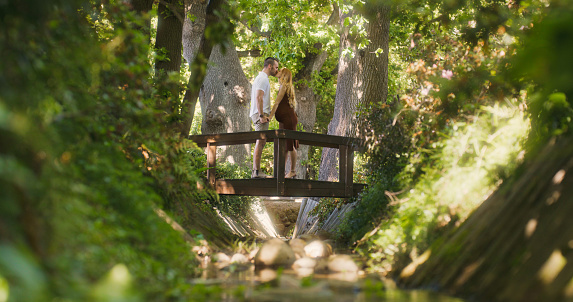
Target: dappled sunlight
x,y
479,155
530,227
553,197
469,271
558,178
552,267
115,285
4,290
119,274
230,223
568,291
411,268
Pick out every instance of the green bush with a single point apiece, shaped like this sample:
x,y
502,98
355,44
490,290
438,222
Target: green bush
x,y
466,166
84,165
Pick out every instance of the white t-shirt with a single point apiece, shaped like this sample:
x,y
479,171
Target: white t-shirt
x,y
261,83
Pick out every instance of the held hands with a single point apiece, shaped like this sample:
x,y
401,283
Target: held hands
x,y
264,119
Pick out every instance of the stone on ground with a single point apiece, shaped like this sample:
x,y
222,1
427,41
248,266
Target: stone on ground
x,y
275,252
297,246
318,249
342,264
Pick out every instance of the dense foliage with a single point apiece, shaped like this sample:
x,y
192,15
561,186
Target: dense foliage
x,y
86,161
474,84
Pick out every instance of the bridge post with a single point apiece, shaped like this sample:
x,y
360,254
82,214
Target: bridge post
x,y
279,162
346,167
211,163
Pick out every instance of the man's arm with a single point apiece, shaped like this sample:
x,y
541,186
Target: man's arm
x,y
260,95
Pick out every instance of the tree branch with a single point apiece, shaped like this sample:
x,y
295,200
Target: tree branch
x,y
253,53
333,19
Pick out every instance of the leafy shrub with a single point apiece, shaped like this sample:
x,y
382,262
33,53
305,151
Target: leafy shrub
x,y
472,160
84,165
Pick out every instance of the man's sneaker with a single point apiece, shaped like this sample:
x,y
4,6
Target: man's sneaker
x,y
259,174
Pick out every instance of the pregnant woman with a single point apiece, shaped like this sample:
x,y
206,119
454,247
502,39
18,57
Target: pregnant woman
x,y
283,109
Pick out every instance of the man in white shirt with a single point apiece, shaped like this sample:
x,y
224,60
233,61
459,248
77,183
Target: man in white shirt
x,y
261,108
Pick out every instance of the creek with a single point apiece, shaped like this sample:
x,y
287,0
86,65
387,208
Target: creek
x,y
334,276
244,282
308,269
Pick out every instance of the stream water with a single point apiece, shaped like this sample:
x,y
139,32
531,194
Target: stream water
x,y
235,284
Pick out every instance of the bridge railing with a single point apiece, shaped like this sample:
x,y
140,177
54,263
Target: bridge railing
x,y
278,185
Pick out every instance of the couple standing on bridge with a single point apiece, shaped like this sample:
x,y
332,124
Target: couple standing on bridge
x,y
283,109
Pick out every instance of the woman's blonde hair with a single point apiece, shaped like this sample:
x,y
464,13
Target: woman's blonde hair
x,y
286,79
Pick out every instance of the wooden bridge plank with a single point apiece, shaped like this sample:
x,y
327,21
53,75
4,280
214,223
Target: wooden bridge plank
x,y
293,187
305,138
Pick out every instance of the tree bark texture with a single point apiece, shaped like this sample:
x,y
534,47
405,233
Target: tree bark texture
x,y
376,66
517,246
194,46
349,93
225,101
168,60
197,50
193,28
169,33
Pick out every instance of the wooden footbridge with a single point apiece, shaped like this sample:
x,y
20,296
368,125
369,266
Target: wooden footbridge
x,y
278,185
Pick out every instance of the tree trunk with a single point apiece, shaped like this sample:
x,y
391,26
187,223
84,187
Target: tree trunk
x,y
517,245
362,81
169,35
197,50
193,28
225,99
376,66
348,94
141,7
168,60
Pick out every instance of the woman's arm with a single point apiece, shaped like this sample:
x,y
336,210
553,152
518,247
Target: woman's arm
x,y
279,98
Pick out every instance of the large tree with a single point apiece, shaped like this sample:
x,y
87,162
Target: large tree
x,y
225,101
222,88
168,57
168,38
196,51
362,81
